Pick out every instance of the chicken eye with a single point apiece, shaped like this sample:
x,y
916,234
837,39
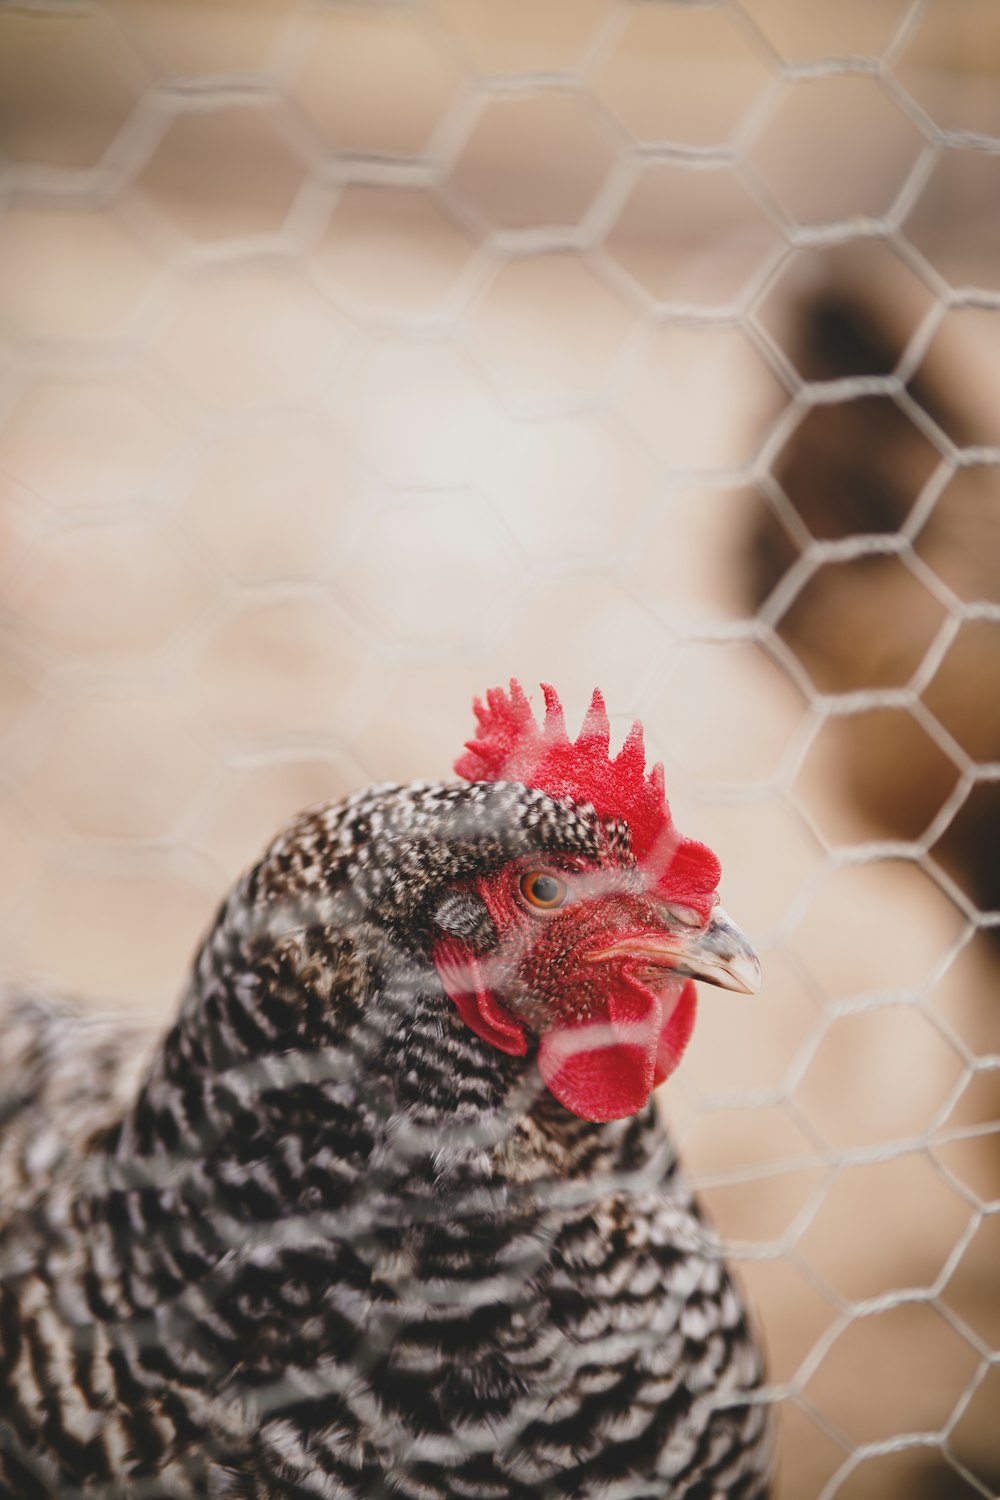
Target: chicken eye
x,y
543,890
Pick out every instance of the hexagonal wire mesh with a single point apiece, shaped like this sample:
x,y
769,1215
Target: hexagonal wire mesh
x,y
360,356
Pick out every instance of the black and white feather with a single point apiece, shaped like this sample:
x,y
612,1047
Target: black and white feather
x,y
320,1240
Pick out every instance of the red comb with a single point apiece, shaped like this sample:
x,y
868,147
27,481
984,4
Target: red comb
x,y
510,746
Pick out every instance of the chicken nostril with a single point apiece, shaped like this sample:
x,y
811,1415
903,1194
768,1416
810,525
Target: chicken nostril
x,y
685,915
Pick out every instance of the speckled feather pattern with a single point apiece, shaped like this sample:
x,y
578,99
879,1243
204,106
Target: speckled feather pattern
x,y
320,1240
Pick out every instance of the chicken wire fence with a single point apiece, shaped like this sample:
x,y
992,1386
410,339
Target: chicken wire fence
x,y
359,357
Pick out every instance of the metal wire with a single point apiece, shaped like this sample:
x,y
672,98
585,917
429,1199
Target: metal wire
x,y
417,384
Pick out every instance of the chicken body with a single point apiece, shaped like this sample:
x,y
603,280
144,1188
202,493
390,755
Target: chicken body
x,y
328,1241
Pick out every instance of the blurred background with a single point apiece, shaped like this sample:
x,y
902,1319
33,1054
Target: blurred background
x,y
358,357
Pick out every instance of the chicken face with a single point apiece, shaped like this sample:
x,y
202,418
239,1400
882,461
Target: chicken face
x,y
593,956
598,970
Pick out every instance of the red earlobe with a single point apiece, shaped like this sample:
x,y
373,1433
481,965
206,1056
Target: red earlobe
x,y
462,977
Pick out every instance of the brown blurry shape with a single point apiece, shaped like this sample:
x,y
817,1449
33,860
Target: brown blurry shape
x,y
885,620
855,468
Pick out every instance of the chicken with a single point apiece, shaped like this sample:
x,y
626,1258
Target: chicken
x,y
388,1211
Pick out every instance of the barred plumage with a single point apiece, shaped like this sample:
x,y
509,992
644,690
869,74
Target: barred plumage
x,y
324,1240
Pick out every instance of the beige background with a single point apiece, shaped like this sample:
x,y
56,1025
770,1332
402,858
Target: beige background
x,y
357,357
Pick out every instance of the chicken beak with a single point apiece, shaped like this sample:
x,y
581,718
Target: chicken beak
x,y
718,953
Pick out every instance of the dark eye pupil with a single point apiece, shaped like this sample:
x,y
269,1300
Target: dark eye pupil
x,y
545,888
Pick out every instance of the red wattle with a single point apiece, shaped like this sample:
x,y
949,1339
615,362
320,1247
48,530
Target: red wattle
x,y
676,1033
605,1070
